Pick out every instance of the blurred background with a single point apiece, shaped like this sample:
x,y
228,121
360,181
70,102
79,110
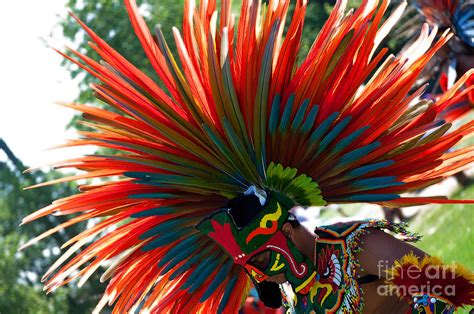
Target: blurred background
x,y
33,78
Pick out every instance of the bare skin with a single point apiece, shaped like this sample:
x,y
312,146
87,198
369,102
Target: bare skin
x,y
379,252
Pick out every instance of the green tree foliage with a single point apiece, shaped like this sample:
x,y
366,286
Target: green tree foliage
x,y
18,294
21,272
109,19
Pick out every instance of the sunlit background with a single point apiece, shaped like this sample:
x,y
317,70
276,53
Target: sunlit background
x,y
32,80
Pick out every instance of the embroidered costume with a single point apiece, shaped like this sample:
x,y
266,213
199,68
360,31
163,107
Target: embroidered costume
x,y
237,132
335,255
440,288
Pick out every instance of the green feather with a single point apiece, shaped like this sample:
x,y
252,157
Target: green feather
x,y
302,190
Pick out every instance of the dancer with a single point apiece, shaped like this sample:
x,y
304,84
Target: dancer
x,y
211,163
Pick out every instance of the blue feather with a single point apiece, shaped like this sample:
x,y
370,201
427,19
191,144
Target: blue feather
x,y
217,141
136,175
376,183
358,153
463,18
153,176
164,227
158,211
201,267
287,113
177,258
371,181
228,292
174,158
152,183
203,275
322,128
272,125
300,115
370,197
261,170
333,134
349,139
308,124
183,247
154,195
234,137
166,239
225,151
357,172
218,279
188,264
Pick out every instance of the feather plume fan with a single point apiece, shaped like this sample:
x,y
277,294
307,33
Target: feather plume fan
x,y
237,109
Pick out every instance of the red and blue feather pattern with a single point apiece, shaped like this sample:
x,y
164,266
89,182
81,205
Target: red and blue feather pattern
x,y
456,101
233,102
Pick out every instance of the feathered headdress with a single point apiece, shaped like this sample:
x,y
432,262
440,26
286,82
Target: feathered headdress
x,y
411,276
457,100
455,14
238,110
455,58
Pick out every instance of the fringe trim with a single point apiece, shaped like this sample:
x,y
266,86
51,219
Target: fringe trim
x,y
455,274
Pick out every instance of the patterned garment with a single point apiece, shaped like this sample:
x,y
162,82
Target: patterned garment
x,y
336,288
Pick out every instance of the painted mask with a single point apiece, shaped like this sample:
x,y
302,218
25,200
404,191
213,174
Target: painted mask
x,y
252,225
